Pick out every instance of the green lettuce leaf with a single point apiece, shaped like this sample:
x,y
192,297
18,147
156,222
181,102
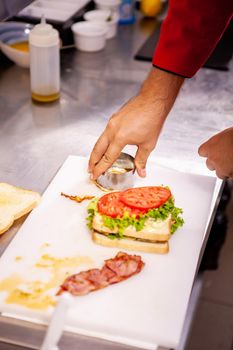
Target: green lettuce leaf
x,y
122,223
91,209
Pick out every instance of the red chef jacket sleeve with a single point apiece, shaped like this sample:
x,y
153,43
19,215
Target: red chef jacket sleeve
x,y
189,34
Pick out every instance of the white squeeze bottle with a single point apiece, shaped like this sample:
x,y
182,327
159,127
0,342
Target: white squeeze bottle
x,y
44,62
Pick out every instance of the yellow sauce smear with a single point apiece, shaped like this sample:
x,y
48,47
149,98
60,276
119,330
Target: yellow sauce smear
x,y
22,46
55,263
33,299
35,294
18,258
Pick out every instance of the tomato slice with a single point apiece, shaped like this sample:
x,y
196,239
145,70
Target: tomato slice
x,y
111,205
145,197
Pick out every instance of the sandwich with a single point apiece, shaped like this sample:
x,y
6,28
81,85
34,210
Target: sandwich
x,y
140,219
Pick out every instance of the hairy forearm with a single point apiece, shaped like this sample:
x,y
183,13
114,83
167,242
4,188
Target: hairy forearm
x,y
161,89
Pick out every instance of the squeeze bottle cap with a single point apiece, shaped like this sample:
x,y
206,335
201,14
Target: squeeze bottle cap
x,y
43,35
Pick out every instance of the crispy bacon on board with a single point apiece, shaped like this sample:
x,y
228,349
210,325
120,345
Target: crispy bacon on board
x,y
114,270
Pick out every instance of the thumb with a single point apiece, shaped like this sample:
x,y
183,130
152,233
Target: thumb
x,y
203,150
141,160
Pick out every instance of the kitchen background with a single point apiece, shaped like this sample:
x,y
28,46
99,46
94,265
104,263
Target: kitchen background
x,y
212,328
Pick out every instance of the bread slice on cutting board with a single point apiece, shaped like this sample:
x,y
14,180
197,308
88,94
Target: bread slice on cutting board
x,y
14,203
152,238
131,244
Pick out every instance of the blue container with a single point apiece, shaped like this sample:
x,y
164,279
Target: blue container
x,y
127,12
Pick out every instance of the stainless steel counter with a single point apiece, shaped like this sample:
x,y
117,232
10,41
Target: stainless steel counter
x,y
36,139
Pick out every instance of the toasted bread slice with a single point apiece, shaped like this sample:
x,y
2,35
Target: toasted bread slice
x,y
154,230
131,244
14,203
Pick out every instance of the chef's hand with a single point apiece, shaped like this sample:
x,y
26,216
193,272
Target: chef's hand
x,y
138,122
219,153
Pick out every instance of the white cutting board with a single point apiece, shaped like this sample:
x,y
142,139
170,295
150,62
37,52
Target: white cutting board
x,y
145,310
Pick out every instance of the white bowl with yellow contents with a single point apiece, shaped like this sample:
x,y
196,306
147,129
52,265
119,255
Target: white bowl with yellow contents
x,y
14,42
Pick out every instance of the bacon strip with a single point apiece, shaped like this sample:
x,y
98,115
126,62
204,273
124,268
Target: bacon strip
x,y
77,198
115,270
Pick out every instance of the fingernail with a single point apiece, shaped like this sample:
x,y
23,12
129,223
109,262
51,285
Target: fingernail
x,y
88,170
143,172
91,177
